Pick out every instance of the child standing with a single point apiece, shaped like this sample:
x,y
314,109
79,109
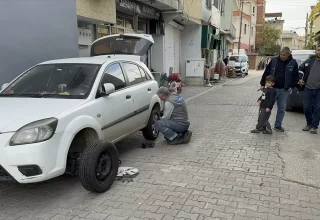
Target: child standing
x,y
266,102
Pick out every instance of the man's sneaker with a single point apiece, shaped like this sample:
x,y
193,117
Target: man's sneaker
x,y
313,131
279,129
187,136
267,131
256,131
306,128
176,141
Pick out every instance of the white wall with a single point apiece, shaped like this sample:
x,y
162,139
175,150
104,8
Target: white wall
x,y
157,54
190,33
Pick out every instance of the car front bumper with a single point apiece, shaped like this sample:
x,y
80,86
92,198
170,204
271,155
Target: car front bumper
x,y
31,162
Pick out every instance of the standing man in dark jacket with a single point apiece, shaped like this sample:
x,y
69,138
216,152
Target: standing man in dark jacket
x,y
311,85
285,70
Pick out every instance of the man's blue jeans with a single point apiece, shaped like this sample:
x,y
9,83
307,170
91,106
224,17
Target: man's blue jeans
x,y
170,129
312,99
281,99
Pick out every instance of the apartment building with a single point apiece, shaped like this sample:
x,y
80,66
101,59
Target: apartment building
x,y
245,21
292,40
316,25
228,30
261,11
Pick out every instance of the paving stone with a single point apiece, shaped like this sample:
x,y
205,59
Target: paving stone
x,y
223,173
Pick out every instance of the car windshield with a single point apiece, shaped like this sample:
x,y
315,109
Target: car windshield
x,y
300,58
238,58
54,81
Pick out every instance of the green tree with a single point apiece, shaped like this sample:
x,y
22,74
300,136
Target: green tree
x,y
269,37
315,11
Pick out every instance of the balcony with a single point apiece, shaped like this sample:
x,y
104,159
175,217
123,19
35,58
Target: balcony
x,y
231,32
163,5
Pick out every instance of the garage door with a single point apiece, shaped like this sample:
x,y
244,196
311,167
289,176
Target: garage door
x,y
172,48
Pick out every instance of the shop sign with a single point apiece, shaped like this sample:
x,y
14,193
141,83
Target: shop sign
x,y
139,8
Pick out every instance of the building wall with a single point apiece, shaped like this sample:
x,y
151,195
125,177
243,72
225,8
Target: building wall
x,y
249,20
34,31
190,33
99,10
206,12
194,10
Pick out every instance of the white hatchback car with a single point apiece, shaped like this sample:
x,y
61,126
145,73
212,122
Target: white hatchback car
x,y
64,116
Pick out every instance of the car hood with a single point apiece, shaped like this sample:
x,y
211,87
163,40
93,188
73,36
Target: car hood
x,y
18,112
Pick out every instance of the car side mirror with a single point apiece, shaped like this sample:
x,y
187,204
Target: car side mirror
x,y
4,86
108,88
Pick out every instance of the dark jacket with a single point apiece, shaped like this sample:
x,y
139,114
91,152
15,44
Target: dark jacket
x,y
291,72
305,67
269,99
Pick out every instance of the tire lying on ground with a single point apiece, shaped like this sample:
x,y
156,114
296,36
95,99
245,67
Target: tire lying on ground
x,y
99,166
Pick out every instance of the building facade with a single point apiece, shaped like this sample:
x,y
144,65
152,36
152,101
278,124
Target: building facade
x,y
35,31
261,11
292,40
228,30
245,21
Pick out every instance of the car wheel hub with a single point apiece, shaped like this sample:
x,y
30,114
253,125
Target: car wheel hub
x,y
103,166
154,120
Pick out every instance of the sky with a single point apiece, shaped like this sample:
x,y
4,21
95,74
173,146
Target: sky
x,y
294,12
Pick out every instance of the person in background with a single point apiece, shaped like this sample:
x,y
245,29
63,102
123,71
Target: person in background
x,y
285,70
266,102
226,60
311,84
174,123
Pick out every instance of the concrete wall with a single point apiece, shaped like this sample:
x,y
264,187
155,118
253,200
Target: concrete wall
x,y
34,31
226,18
157,54
190,32
98,10
194,10
206,13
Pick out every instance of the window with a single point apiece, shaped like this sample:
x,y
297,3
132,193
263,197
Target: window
x,y
223,5
216,4
133,73
245,28
251,31
114,75
253,10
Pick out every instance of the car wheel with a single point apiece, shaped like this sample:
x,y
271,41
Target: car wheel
x,y
289,107
99,166
150,132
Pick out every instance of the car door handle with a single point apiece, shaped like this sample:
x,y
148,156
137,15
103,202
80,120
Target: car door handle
x,y
128,97
149,89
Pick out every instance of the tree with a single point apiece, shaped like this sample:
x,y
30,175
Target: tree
x,y
269,40
315,11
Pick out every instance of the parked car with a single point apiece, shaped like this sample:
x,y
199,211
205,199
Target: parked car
x,y
295,99
64,116
241,64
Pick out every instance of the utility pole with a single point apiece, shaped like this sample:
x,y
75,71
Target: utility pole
x,y
306,32
241,16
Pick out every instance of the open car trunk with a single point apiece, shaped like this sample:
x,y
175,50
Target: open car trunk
x,y
123,46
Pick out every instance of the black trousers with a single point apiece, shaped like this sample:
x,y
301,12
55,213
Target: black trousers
x,y
263,120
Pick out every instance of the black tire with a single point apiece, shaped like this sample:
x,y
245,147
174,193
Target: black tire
x,y
99,155
149,132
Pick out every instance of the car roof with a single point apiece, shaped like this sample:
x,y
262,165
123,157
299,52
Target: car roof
x,y
88,60
303,52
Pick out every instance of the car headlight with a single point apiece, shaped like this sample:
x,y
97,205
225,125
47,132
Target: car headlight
x,y
35,132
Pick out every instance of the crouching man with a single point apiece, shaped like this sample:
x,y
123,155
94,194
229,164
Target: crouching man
x,y
174,123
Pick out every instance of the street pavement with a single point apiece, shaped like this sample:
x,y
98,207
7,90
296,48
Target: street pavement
x,y
225,172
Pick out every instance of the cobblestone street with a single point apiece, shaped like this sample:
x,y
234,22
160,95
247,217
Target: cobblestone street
x,y
225,172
